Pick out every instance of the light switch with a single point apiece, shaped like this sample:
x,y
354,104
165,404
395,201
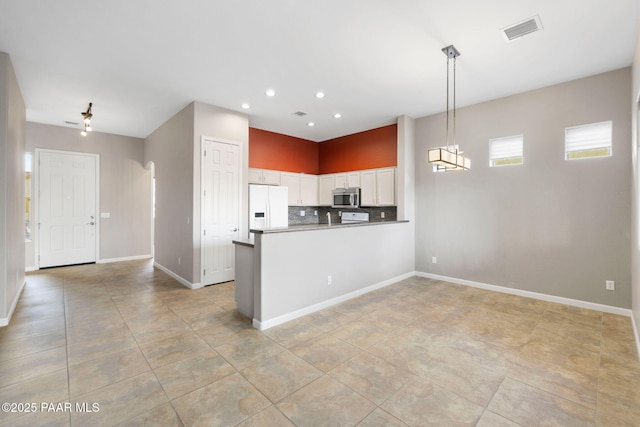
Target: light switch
x,y
105,214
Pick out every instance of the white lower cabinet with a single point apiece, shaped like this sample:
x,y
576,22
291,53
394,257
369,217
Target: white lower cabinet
x,y
303,188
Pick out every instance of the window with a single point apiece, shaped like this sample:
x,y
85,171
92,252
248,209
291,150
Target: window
x,y
586,141
27,197
506,151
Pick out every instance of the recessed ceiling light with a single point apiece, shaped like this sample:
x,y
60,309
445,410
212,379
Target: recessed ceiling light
x,y
311,124
337,115
320,95
270,92
246,106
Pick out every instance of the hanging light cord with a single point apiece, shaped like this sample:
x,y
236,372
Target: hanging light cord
x,y
454,100
447,103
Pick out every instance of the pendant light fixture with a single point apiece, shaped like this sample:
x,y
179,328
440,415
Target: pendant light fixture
x,y
450,157
86,119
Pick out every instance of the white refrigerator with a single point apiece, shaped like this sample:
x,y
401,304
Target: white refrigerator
x,y
268,206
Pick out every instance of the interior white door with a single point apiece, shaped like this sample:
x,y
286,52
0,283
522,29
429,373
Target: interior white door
x,y
67,208
221,210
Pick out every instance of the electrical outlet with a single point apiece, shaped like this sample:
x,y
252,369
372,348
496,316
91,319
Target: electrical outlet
x,y
329,280
434,260
381,214
610,285
303,213
178,260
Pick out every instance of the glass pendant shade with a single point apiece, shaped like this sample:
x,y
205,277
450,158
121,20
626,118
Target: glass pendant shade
x,y
449,159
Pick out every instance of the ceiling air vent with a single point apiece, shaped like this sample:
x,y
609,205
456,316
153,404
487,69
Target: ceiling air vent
x,y
522,28
300,113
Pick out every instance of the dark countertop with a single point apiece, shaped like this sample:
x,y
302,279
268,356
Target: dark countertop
x,y
244,242
312,227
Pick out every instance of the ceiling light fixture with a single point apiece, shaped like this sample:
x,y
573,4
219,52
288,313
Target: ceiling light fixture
x,y
246,106
449,157
337,115
270,92
311,124
320,95
86,119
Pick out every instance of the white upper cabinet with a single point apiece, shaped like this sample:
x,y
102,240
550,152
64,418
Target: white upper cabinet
x,y
303,188
309,190
378,187
325,187
386,186
346,179
264,176
328,182
368,188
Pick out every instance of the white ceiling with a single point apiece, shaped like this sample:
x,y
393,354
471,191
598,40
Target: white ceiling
x,y
142,61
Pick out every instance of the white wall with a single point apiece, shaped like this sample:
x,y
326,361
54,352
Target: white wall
x,y
293,267
549,226
170,148
174,148
12,189
221,125
635,197
124,187
406,169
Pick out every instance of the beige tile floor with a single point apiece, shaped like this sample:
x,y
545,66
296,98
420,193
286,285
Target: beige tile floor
x,y
148,351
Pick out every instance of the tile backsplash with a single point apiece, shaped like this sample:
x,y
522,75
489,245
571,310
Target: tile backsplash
x,y
318,214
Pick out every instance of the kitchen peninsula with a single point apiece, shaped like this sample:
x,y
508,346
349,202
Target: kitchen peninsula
x,y
290,272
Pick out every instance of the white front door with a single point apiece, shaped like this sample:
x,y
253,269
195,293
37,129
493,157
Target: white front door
x,y
220,211
66,208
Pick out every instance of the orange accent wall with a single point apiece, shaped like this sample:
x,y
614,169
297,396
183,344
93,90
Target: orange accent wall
x,y
270,150
375,148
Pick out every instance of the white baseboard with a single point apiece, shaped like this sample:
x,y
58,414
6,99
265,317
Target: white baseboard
x,y
544,297
266,324
4,321
179,278
128,258
28,269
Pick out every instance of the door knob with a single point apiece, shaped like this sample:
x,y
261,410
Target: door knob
x,y
235,229
91,223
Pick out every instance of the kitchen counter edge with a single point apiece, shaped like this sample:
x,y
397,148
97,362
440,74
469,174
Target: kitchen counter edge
x,y
312,227
244,242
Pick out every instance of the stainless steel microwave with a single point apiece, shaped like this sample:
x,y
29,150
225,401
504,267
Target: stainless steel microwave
x,y
346,198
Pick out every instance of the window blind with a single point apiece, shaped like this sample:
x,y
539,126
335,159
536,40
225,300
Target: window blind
x,y
593,136
510,147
